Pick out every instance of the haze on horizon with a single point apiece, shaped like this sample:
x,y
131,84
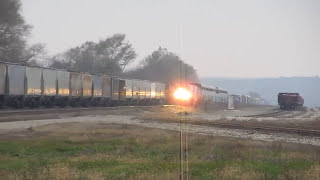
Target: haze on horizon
x,y
248,38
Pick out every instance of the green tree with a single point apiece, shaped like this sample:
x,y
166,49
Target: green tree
x,y
110,55
13,35
164,66
13,31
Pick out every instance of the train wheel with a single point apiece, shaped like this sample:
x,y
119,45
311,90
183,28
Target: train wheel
x,y
87,103
99,102
31,103
73,103
49,102
2,102
20,103
83,102
115,103
35,103
288,107
95,102
14,103
62,103
292,107
104,103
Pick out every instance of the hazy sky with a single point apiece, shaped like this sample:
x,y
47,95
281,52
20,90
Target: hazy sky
x,y
256,38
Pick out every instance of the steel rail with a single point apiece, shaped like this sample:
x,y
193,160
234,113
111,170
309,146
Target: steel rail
x,y
303,131
63,110
270,114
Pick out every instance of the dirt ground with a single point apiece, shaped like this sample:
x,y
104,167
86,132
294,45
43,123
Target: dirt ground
x,y
169,118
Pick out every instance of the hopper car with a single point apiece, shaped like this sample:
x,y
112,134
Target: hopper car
x,y
35,86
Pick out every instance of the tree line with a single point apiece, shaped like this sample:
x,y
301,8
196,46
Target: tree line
x,y
110,55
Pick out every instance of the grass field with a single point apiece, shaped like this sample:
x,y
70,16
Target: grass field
x,y
83,151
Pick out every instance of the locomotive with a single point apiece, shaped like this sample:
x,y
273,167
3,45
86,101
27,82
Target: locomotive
x,y
188,93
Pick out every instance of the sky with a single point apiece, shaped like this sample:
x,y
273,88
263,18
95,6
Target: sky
x,y
220,38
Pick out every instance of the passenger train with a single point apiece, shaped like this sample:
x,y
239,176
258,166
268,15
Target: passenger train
x,y
194,93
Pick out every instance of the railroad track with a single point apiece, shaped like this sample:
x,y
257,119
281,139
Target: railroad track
x,y
244,126
62,110
270,114
301,131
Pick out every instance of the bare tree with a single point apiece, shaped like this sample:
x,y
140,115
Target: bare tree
x,y
35,54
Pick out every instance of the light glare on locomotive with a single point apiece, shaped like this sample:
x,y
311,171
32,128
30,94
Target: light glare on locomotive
x,y
182,94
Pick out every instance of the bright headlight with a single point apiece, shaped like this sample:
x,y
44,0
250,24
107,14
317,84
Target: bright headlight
x,y
182,94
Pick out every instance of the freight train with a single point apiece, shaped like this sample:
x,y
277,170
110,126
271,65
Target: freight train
x,y
289,101
34,86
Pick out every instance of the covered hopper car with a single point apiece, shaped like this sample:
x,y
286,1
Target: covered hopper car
x,y
35,86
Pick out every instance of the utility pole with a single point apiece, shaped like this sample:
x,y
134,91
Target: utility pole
x,y
184,158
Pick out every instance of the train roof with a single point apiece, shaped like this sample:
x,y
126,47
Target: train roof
x,y
297,94
67,70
